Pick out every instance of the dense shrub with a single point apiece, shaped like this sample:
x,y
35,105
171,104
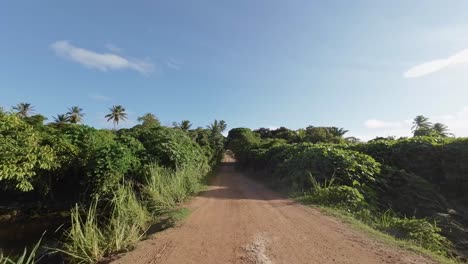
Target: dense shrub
x,y
325,162
22,155
341,196
441,161
170,147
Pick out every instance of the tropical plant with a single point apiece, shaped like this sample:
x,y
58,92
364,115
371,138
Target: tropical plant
x,y
23,109
421,122
338,132
117,114
23,155
184,125
149,119
75,115
217,126
441,129
61,119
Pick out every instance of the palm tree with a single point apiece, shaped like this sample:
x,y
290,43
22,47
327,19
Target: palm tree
x,y
441,129
23,109
338,132
61,119
184,125
117,114
75,114
149,119
421,122
222,126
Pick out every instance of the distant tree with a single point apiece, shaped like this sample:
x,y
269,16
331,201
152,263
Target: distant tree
x,y
301,135
75,115
353,140
149,119
263,132
61,119
217,126
23,110
324,134
338,132
35,120
117,114
441,129
284,133
222,126
184,125
421,122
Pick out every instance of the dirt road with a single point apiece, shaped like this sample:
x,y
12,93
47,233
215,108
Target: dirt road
x,y
240,221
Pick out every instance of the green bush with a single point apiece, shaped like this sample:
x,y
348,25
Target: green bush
x,y
170,147
22,155
325,162
341,196
419,231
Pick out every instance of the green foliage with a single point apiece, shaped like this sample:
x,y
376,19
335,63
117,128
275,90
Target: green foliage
x,y
108,164
341,196
28,257
170,147
165,188
22,154
85,241
149,120
325,161
91,237
420,231
128,221
117,114
324,134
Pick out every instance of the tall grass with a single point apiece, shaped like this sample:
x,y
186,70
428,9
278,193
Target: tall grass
x,y
28,257
85,241
128,222
165,188
115,225
93,236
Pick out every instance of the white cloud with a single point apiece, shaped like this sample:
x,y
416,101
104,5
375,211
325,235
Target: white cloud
x,y
99,97
437,65
100,61
374,123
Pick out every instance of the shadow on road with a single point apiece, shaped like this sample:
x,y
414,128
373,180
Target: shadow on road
x,y
232,184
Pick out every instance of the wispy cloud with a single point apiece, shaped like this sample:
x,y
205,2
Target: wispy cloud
x,y
99,97
173,64
113,48
437,65
100,61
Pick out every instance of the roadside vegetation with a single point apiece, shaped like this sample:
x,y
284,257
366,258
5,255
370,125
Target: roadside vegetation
x,y
114,184
414,189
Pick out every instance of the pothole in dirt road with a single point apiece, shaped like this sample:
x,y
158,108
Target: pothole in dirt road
x,y
255,252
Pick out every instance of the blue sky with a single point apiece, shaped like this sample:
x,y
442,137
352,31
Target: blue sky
x,y
367,66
